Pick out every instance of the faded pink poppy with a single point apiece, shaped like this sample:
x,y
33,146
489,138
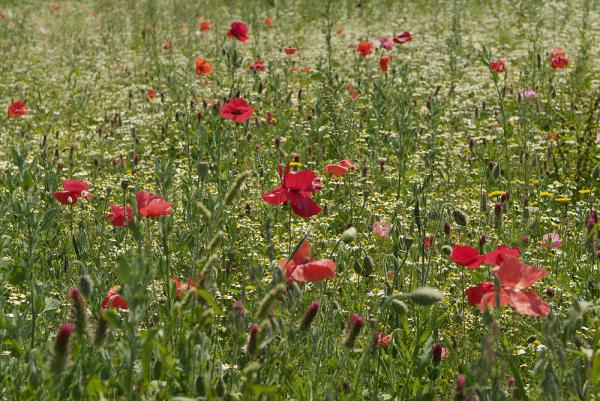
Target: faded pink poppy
x,y
382,229
551,240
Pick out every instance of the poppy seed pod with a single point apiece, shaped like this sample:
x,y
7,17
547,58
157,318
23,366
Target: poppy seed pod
x,y
349,235
459,217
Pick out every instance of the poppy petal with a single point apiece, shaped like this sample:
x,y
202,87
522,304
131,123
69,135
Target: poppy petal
x,y
314,271
275,196
303,204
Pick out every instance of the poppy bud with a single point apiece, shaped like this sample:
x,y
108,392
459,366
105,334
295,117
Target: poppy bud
x,y
447,250
203,167
101,329
525,239
381,163
447,228
353,328
436,354
483,202
277,141
459,217
200,385
61,347
86,285
425,296
349,235
309,315
220,388
399,307
368,266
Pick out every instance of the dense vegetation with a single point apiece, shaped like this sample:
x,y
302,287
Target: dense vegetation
x,y
338,199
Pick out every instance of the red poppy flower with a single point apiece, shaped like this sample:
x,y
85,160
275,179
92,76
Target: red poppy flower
x,y
301,268
203,67
515,277
114,300
364,48
558,59
470,257
121,216
297,188
151,95
403,37
237,110
384,63
339,169
239,30
151,205
268,21
290,50
429,239
182,287
474,294
258,65
17,109
498,66
353,93
73,190
205,26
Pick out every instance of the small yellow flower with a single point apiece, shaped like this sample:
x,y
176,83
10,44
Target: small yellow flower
x,y
585,192
535,182
545,194
496,193
295,164
563,201
249,287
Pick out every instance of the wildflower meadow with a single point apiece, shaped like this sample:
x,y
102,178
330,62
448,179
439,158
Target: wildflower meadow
x,y
300,200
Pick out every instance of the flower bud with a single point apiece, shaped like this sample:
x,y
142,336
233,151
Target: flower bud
x,y
252,345
459,217
309,315
436,354
353,328
86,285
61,347
425,296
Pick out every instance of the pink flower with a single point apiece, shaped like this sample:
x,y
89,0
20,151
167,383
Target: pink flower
x,y
382,229
381,340
551,240
386,43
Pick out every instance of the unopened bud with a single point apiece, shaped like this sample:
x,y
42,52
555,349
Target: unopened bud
x,y
309,315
